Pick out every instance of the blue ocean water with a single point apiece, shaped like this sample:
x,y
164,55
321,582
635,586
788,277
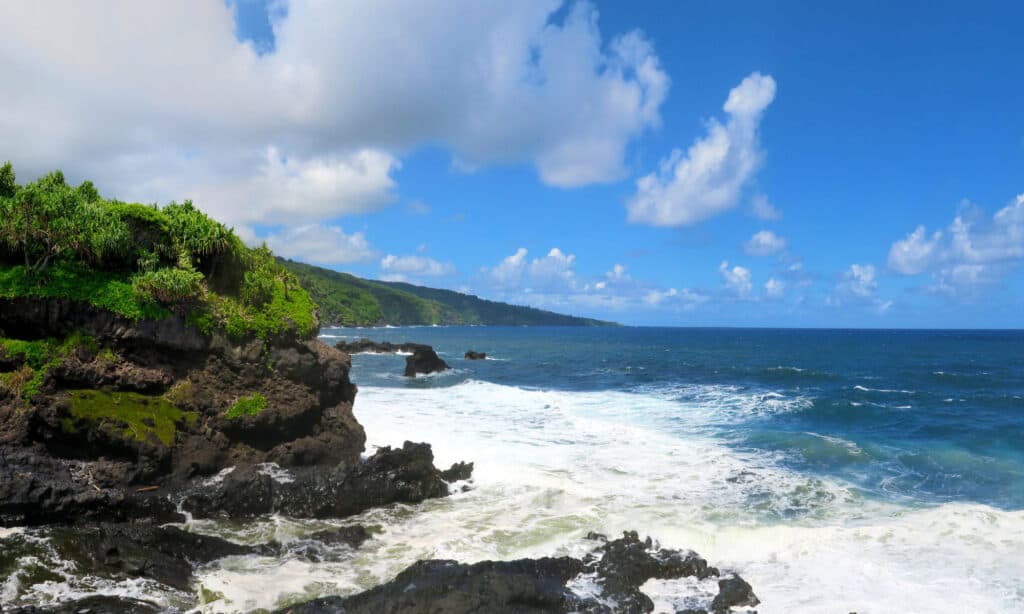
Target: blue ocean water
x,y
918,417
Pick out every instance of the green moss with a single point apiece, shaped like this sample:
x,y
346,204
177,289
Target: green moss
x,y
106,290
138,414
247,406
40,356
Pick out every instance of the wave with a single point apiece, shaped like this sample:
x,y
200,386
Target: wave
x,y
883,390
553,465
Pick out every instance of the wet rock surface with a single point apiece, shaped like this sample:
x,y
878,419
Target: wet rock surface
x,y
98,604
424,361
473,355
405,475
166,554
617,568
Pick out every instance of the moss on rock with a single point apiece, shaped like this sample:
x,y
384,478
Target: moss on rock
x,y
247,406
139,414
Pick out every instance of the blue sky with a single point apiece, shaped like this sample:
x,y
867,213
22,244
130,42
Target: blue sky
x,y
436,143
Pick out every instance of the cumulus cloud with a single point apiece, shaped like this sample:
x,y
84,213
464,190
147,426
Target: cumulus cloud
x,y
774,288
400,268
858,285
509,272
764,243
763,209
554,270
709,178
160,101
320,244
915,253
972,253
737,279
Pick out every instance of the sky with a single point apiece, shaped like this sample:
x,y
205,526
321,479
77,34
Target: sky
x,y
833,164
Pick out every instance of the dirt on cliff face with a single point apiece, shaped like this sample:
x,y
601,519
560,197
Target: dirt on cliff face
x,y
152,402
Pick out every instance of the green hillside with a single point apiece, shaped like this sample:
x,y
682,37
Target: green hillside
x,y
351,301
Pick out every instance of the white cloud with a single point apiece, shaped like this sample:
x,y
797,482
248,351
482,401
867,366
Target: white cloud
x,y
685,298
860,280
159,101
858,285
554,270
320,244
763,209
710,177
618,273
415,266
971,254
914,254
764,243
509,271
736,279
774,288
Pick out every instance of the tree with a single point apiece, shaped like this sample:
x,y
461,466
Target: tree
x,y
47,218
7,185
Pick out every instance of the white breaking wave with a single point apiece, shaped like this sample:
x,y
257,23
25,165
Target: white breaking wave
x,y
552,465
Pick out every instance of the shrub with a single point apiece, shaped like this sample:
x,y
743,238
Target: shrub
x,y
247,406
169,285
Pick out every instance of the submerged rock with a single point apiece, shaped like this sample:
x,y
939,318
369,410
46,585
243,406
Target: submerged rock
x,y
424,360
472,355
132,550
616,570
95,604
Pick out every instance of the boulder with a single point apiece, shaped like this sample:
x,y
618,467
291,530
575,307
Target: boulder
x,y
473,355
733,591
424,360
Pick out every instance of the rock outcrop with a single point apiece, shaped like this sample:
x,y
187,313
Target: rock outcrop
x,y
367,346
473,355
424,361
614,572
129,413
405,475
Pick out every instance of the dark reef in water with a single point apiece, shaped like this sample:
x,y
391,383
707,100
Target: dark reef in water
x,y
618,569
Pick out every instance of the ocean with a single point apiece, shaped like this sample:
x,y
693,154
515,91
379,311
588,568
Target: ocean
x,y
859,471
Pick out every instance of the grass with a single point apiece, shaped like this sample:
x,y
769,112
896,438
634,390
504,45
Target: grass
x,y
247,406
106,290
137,415
296,312
40,356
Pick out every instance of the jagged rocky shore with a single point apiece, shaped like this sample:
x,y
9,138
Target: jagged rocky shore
x,y
136,426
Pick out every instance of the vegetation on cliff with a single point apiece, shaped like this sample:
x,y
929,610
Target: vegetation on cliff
x,y
142,261
351,301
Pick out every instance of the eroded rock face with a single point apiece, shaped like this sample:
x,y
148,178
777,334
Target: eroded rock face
x,y
63,459
616,570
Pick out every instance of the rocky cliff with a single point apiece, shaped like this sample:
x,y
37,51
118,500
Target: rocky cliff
x,y
102,416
